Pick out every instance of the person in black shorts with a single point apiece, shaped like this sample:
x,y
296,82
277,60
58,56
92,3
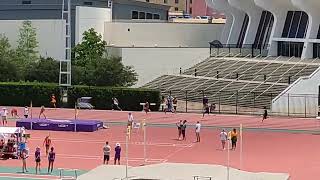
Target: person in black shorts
x,y
183,129
265,114
51,158
179,125
106,153
117,155
37,157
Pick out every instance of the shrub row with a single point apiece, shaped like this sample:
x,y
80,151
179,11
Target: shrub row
x,y
21,94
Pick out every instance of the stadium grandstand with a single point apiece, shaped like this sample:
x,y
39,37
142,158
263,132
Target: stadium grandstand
x,y
267,55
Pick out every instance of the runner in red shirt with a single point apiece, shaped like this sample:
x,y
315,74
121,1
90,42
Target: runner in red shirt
x,y
47,144
14,113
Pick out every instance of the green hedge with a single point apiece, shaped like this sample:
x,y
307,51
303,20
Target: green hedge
x,y
21,94
129,98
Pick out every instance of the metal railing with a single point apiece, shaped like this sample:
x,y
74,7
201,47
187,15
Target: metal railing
x,y
244,50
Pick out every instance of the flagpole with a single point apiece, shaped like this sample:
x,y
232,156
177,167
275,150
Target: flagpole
x,y
241,143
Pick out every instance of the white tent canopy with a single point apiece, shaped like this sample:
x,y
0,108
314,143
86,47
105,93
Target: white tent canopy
x,y
10,130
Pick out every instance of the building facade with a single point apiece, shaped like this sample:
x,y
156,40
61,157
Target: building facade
x,y
285,28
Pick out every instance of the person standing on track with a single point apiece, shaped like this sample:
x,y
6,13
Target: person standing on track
x,y
53,101
4,116
42,110
223,138
24,157
179,125
265,114
14,113
26,112
106,153
146,107
183,130
51,159
130,120
47,143
117,155
198,127
37,157
234,138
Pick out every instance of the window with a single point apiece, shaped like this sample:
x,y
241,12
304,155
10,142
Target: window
x,y
296,25
142,15
318,35
26,2
176,9
243,31
134,15
190,1
176,1
165,1
190,10
264,30
156,16
149,16
88,3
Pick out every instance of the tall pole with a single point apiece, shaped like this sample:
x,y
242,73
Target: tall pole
x,y
127,149
144,142
241,143
228,160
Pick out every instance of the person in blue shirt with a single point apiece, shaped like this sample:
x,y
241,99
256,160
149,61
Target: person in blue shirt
x,y
117,155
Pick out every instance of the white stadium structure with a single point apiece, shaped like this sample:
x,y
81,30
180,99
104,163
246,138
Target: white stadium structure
x,y
267,57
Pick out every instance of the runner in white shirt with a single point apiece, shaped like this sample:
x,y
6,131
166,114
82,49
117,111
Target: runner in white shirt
x,y
4,115
130,120
198,128
26,111
106,153
223,138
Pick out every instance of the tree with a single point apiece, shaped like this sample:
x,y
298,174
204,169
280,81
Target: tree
x,y
8,70
27,43
5,47
92,67
44,70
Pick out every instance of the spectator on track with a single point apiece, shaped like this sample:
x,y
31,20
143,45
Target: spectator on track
x,y
130,120
106,153
14,113
205,103
26,112
223,138
212,108
183,130
24,157
198,127
234,138
163,103
179,125
115,104
47,143
175,104
146,107
42,110
37,158
265,114
4,116
53,101
51,159
117,155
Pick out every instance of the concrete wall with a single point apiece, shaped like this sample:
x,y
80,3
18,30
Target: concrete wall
x,y
89,17
302,97
151,63
161,34
49,35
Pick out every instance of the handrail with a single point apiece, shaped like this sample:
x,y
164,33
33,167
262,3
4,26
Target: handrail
x,y
205,75
270,62
279,78
265,80
296,82
217,74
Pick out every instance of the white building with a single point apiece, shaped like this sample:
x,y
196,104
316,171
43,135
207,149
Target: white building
x,y
284,27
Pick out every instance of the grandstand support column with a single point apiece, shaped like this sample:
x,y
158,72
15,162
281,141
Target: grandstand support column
x,y
237,20
254,13
311,8
279,9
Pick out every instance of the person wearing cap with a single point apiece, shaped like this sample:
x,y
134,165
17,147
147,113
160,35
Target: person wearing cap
x,y
117,155
4,115
223,138
37,157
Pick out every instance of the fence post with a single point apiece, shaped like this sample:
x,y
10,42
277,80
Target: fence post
x,y
237,102
219,102
305,106
288,104
186,101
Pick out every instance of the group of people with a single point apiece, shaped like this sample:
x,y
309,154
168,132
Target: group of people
x,y
182,126
50,154
107,151
207,108
169,104
14,114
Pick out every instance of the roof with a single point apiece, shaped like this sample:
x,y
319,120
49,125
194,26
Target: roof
x,y
166,171
142,4
9,130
